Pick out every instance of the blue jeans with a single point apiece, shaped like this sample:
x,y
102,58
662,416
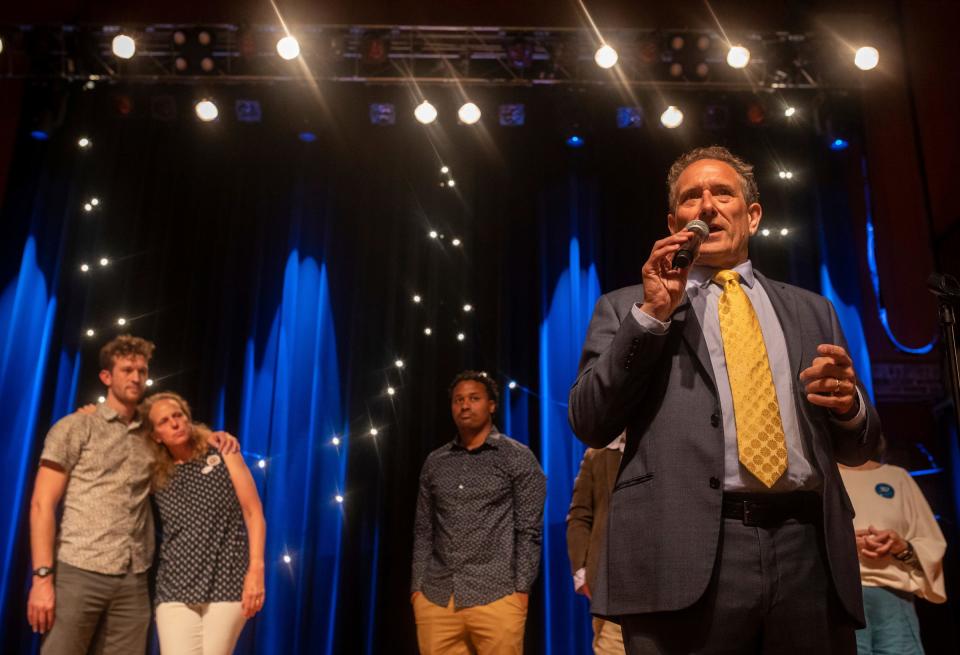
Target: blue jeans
x,y
892,627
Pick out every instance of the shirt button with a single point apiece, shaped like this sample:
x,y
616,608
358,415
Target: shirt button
x,y
714,483
460,487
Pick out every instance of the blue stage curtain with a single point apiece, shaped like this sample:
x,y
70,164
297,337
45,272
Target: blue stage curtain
x,y
571,288
27,312
290,412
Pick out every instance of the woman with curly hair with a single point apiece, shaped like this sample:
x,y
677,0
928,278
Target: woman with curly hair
x,y
210,578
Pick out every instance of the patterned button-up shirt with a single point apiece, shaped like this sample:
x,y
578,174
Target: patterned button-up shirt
x,y
107,524
479,522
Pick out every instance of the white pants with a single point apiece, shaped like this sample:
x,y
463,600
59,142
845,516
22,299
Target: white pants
x,y
207,629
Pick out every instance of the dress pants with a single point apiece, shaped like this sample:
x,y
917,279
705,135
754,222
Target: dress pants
x,y
770,593
98,613
607,638
492,629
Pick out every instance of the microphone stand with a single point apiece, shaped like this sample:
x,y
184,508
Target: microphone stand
x,y
947,290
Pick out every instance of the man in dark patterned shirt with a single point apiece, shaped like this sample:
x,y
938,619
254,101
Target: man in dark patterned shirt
x,y
478,530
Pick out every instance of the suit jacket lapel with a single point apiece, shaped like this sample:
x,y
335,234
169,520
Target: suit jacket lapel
x,y
692,333
785,306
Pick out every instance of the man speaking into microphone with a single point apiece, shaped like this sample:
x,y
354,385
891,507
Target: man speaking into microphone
x,y
729,530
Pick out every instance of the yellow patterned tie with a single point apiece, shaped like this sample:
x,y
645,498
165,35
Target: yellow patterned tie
x,y
760,441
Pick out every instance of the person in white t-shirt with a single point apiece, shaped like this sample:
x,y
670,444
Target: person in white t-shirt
x,y
901,552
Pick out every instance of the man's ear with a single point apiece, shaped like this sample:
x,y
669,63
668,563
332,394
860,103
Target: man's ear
x,y
754,213
672,223
492,406
106,377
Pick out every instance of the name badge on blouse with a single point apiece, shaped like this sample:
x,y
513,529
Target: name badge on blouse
x,y
212,460
884,489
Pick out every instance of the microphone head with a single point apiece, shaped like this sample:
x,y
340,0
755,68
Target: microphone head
x,y
698,227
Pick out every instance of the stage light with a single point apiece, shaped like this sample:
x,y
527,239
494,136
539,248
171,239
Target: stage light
x,y
427,331
444,170
206,111
84,268
124,46
338,498
288,48
839,144
575,141
425,113
94,201
391,391
104,261
468,307
461,336
702,69
101,399
606,57
433,234
786,175
677,42
671,117
451,184
512,385
374,432
121,321
784,232
765,232
468,113
456,242
247,110
335,441
307,137
398,363
84,142
417,298
738,57
40,135
91,333
512,115
866,58
789,112
87,207
287,559
206,64
149,382
676,69
262,464
629,117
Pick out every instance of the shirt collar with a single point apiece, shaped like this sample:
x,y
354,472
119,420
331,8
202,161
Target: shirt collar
x,y
492,440
618,443
108,413
701,276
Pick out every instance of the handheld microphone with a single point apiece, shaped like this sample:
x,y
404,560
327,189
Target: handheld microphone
x,y
688,251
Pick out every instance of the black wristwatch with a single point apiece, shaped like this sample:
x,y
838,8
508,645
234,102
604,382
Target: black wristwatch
x,y
906,554
43,571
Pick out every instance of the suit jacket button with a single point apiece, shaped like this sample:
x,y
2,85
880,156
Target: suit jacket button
x,y
714,420
636,340
714,483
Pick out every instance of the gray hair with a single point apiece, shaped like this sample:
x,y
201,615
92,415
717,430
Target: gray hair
x,y
743,169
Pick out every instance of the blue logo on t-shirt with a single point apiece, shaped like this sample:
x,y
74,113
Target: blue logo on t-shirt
x,y
884,490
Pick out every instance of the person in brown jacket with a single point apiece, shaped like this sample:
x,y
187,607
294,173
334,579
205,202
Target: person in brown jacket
x,y
586,527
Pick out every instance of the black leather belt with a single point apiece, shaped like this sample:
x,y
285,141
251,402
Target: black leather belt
x,y
768,510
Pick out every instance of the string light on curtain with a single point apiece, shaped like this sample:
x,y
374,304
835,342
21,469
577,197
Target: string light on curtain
x,y
91,332
374,432
104,261
84,142
101,399
433,234
121,321
399,363
512,384
338,498
335,440
427,331
461,336
416,298
391,391
287,559
84,268
150,382
261,464
468,308
456,242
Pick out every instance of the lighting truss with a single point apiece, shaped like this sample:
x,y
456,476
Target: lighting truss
x,y
382,54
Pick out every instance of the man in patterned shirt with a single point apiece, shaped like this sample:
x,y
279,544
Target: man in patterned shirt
x,y
93,585
477,533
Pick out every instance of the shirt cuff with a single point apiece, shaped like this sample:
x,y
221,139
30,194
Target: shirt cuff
x,y
649,323
857,421
579,579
